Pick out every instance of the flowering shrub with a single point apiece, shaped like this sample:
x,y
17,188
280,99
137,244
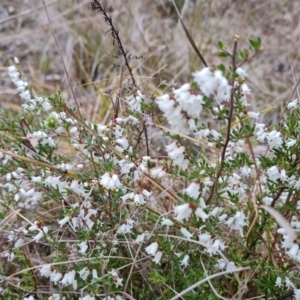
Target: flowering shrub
x,y
92,211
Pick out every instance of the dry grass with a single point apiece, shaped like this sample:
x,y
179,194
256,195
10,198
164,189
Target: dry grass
x,y
149,29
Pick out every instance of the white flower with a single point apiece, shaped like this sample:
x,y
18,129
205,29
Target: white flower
x,y
87,297
69,278
297,294
118,282
19,243
8,254
238,221
84,273
216,135
222,217
213,84
274,139
273,173
261,132
151,249
126,227
139,199
293,251
245,171
157,257
117,279
202,214
215,247
173,113
38,236
185,261
83,247
205,238
230,266
182,212
168,222
221,264
191,103
215,211
267,200
13,74
110,182
186,233
289,283
293,104
134,102
193,190
158,172
290,143
253,115
278,282
176,153
242,73
287,240
245,89
94,274
205,81
140,238
25,95
46,270
64,221
55,276
222,87
202,203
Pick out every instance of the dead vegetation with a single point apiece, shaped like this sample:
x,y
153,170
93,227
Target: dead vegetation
x,y
157,46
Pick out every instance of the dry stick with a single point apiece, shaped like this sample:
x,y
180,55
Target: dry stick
x,y
63,62
118,96
134,259
30,160
96,5
236,38
210,284
192,42
195,285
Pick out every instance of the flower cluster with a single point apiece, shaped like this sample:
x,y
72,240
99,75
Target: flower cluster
x,y
105,215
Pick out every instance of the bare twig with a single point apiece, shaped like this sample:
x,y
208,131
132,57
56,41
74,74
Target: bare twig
x,y
192,42
236,38
63,62
96,5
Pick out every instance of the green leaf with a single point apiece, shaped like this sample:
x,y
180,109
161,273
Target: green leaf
x,y
221,67
259,41
252,43
223,54
220,45
240,55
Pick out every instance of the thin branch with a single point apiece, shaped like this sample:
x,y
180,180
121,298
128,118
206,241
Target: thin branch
x,y
192,42
195,285
236,38
62,59
96,5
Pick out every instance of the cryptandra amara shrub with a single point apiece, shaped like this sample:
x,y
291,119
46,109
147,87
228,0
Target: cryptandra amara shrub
x,y
95,211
